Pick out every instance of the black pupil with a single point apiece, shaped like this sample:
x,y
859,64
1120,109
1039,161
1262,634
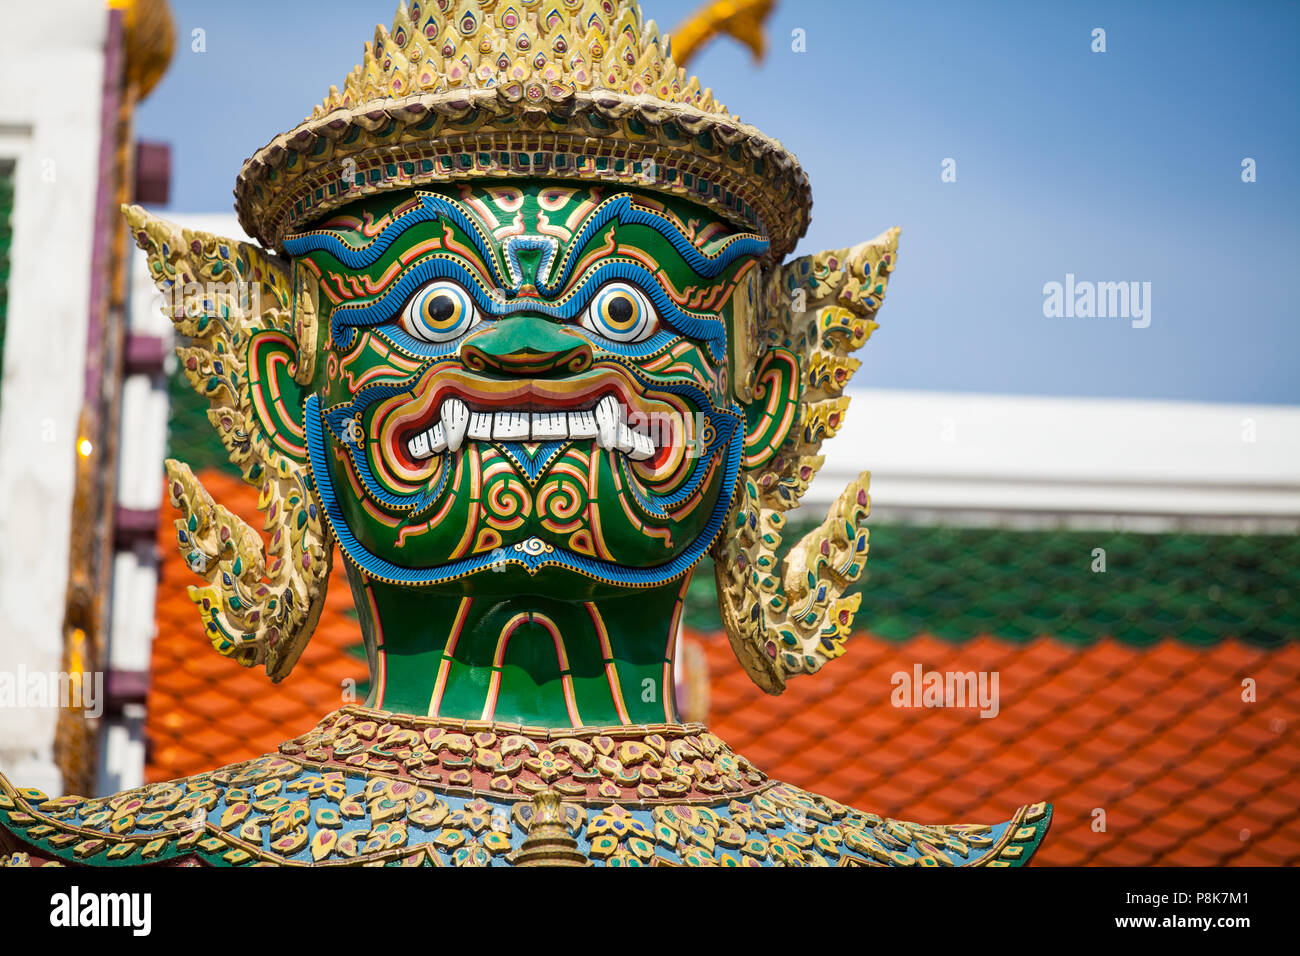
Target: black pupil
x,y
621,309
442,308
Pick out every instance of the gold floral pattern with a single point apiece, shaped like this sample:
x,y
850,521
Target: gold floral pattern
x,y
311,805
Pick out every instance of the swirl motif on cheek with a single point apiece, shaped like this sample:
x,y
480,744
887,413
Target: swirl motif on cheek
x,y
509,503
562,505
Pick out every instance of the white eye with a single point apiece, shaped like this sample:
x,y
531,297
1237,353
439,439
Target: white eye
x,y
620,312
439,312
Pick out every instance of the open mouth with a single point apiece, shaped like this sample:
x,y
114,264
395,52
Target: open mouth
x,y
605,422
601,406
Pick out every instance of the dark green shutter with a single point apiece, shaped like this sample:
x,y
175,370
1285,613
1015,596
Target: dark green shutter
x,y
6,240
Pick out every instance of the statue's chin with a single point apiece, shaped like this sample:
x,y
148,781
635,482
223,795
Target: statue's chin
x,y
497,527
513,584
524,564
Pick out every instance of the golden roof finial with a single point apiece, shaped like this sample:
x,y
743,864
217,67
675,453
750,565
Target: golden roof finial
x,y
150,42
742,19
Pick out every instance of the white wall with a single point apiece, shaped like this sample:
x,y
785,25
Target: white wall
x,y
51,77
940,455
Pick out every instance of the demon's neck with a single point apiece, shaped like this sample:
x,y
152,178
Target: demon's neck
x,y
523,659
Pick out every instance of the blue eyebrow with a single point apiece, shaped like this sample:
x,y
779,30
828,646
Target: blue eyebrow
x,y
620,209
431,209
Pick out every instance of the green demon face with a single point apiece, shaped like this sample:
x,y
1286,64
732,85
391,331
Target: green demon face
x,y
525,383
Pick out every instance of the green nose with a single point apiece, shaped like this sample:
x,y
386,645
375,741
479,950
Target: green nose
x,y
526,345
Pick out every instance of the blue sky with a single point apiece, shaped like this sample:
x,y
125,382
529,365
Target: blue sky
x,y
1115,166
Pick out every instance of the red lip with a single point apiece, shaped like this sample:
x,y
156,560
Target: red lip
x,y
576,392
534,394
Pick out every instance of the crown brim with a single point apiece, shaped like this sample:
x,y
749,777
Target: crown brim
x,y
595,136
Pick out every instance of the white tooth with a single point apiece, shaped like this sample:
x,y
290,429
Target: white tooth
x,y
511,425
582,425
626,440
643,447
549,426
437,439
608,420
455,419
480,426
419,446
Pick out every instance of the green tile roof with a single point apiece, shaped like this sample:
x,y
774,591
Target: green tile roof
x,y
190,436
959,583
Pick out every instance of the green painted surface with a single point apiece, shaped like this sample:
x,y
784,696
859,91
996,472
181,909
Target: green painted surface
x,y
423,631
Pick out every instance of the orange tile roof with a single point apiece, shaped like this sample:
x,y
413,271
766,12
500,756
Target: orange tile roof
x,y
1157,737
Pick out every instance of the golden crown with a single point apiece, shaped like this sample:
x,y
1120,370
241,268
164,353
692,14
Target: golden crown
x,y
567,89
